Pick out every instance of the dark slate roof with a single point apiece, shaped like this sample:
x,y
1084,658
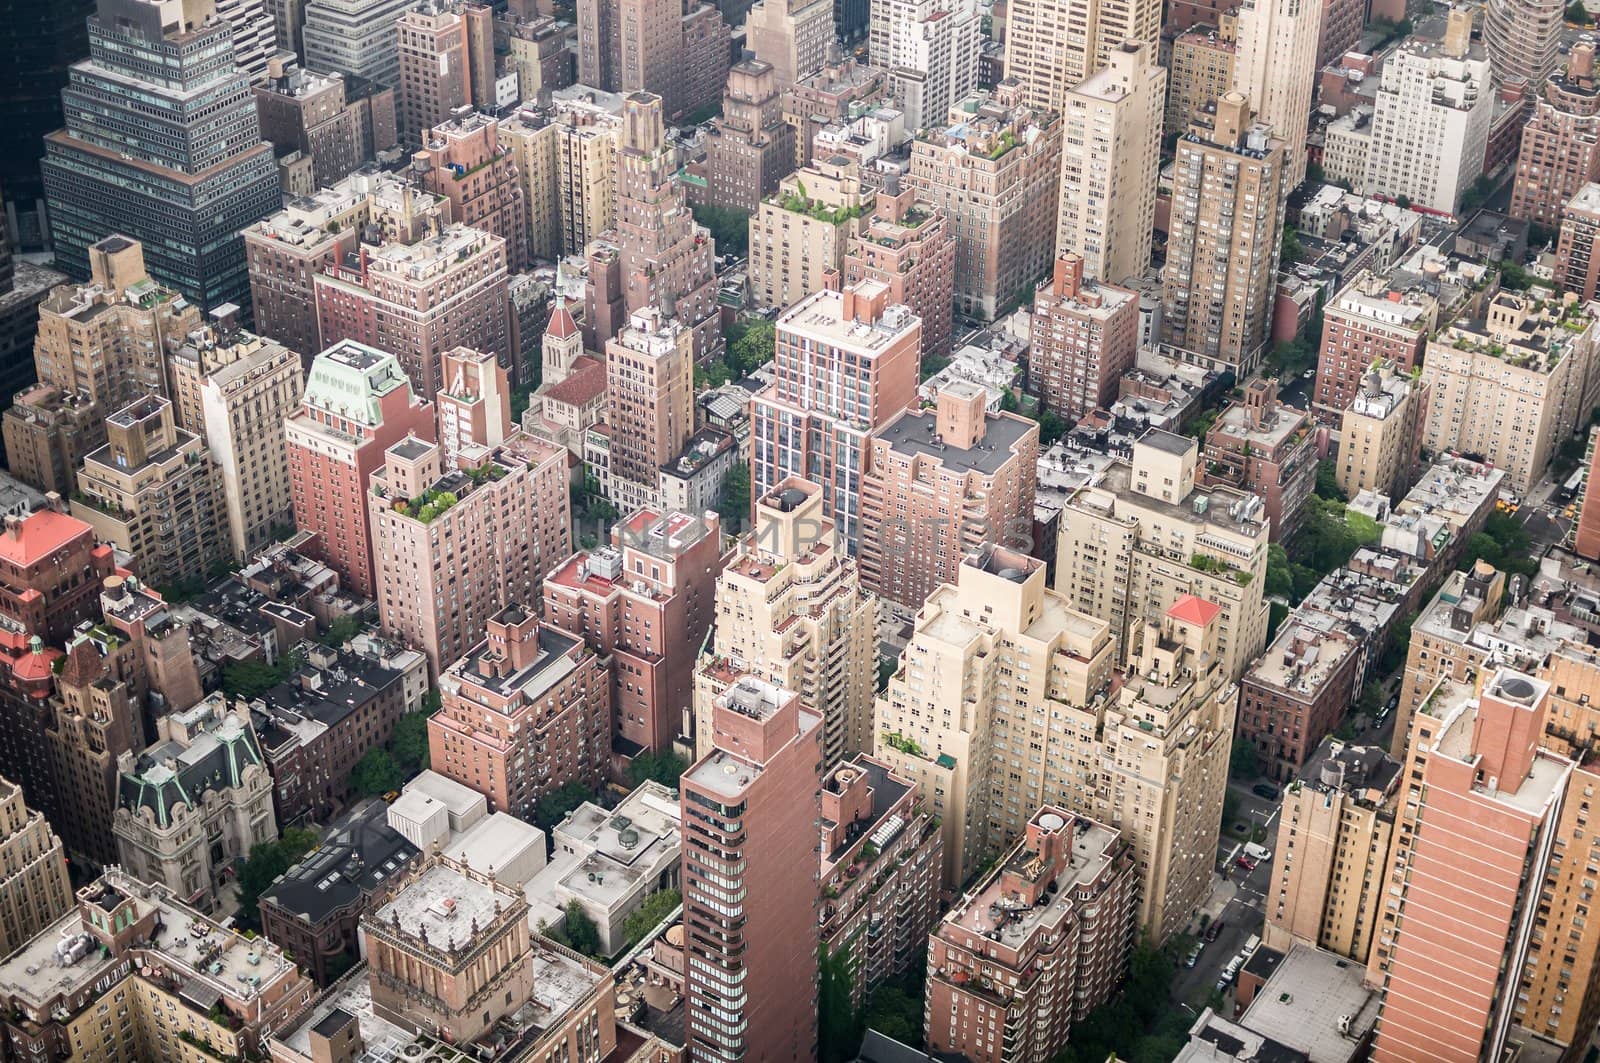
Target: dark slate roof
x,y
877,1048
360,853
167,774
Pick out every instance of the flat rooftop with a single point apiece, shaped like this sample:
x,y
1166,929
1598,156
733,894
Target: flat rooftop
x,y
443,904
918,433
821,316
1304,1001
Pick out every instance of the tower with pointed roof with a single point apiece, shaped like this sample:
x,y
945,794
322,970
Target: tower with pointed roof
x,y
563,345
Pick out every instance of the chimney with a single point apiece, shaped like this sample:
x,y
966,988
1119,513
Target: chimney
x,y
1580,61
13,526
1458,32
1069,275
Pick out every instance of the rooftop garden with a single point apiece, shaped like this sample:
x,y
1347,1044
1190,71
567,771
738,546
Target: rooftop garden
x,y
428,505
797,202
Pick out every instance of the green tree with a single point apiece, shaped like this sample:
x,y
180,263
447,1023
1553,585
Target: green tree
x,y
1280,575
840,1024
1514,278
1328,481
247,680
432,701
1245,761
730,227
1051,428
897,1014
1578,14
341,631
665,768
552,807
265,863
649,915
734,505
408,744
753,348
376,773
581,933
1289,249
1477,193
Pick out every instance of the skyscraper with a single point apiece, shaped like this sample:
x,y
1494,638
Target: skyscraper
x,y
1275,68
47,37
792,35
1524,37
355,38
138,157
434,76
649,403
750,147
908,245
1560,150
930,50
1222,244
846,365
1053,45
1085,336
1110,151
790,610
750,895
665,255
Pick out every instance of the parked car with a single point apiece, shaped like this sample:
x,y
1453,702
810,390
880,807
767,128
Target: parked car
x,y
1246,863
1256,852
1214,929
1194,954
1266,790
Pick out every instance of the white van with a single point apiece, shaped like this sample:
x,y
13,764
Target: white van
x,y
1258,853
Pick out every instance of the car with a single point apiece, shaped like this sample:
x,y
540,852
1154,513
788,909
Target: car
x,y
1394,702
1256,852
1214,929
1194,954
1246,863
1266,790
1309,373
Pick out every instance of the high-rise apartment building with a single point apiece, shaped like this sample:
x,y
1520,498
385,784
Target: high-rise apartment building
x,y
154,491
1333,838
434,75
799,236
1300,689
1380,435
649,403
93,721
1200,70
1524,38
286,251
792,35
1149,757
1275,68
419,300
1511,385
1559,153
1228,197
1482,804
1428,145
463,160
1377,318
1578,246
586,164
665,256
1053,46
791,611
846,365
1110,150
750,893
306,112
525,712
939,484
882,859
676,51
356,38
832,94
995,171
34,888
1265,448
123,980
645,604
1150,533
234,389
138,158
908,246
532,139
255,34
474,407
453,544
1036,944
1085,336
928,51
749,147
357,404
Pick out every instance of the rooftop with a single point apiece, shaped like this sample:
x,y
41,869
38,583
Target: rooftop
x,y
441,906
917,432
1309,998
357,855
40,535
821,316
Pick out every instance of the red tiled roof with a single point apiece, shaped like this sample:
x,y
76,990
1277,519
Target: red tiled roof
x,y
561,324
583,385
36,666
1192,610
38,535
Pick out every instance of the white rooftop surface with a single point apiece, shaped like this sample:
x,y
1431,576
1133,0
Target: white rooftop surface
x,y
558,984
495,842
355,999
443,903
458,799
544,905
1321,987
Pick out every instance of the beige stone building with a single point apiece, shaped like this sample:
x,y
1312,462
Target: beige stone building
x,y
235,389
1228,198
1512,385
589,128
133,973
1054,45
791,35
1275,68
1333,837
534,142
1149,755
1200,70
994,168
1380,435
940,483
799,236
649,403
195,802
1148,534
791,611
34,888
1110,155
154,491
